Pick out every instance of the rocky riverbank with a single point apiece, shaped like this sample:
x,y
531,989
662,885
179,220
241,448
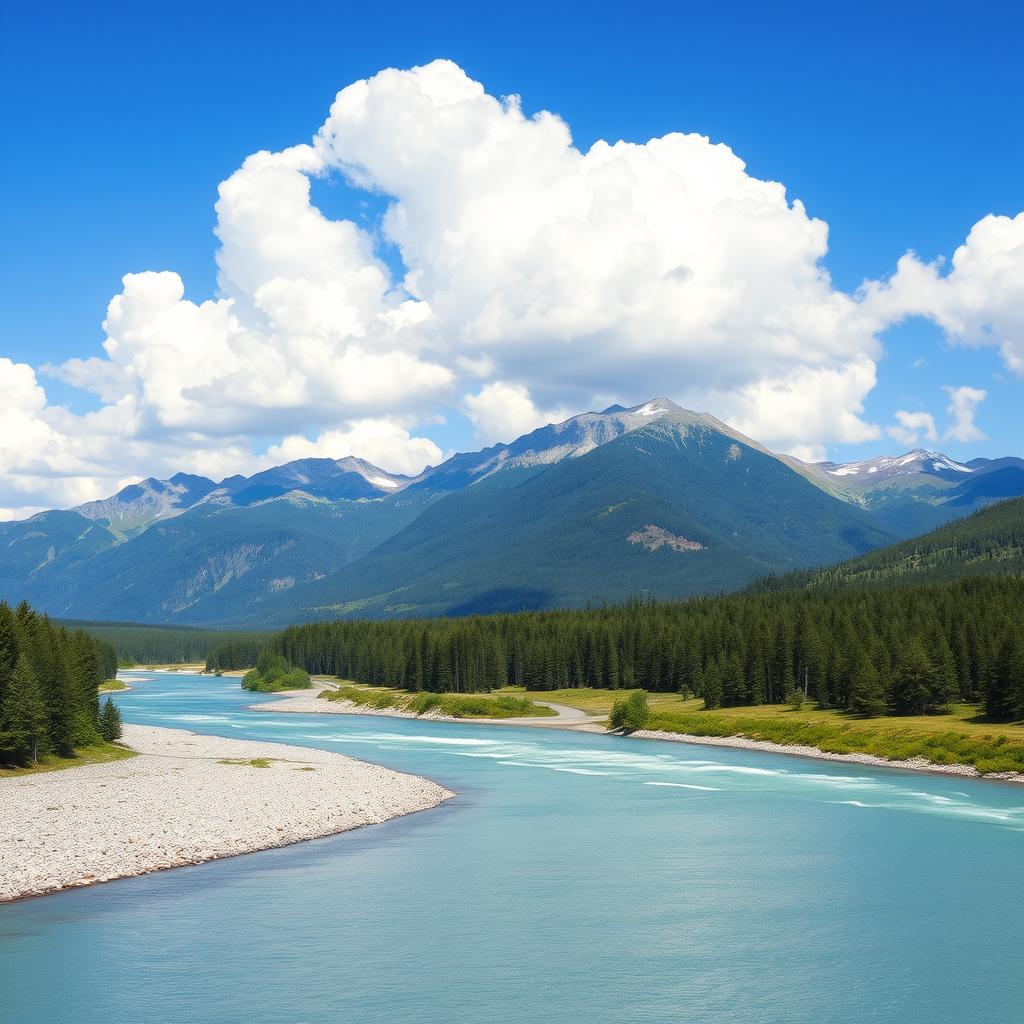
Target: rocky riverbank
x,y
186,799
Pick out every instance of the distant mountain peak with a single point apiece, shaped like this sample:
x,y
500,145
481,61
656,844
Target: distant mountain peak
x,y
655,407
918,460
137,505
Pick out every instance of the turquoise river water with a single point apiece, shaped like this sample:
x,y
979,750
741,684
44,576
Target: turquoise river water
x,y
575,878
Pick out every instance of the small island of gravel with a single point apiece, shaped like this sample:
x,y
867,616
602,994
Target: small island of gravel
x,y
183,800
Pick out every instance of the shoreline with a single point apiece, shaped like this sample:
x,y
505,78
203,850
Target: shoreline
x,y
303,702
187,799
312,705
920,765
590,724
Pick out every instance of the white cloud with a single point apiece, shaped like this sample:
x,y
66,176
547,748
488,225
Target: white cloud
x,y
804,404
480,366
979,302
502,412
963,405
809,453
537,277
650,268
911,427
385,444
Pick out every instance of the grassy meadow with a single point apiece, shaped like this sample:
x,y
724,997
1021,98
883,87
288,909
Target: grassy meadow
x,y
960,736
97,753
453,705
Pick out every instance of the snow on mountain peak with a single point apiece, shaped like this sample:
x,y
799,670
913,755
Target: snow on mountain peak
x,y
920,460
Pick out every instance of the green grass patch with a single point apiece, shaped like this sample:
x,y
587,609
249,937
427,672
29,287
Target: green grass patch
x,y
252,762
98,753
962,735
453,705
111,685
892,739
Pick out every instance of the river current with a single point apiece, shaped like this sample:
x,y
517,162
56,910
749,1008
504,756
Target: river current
x,y
575,878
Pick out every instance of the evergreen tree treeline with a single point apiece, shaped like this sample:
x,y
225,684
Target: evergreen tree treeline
x,y
241,652
910,648
48,686
139,644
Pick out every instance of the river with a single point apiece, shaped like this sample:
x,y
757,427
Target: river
x,y
575,878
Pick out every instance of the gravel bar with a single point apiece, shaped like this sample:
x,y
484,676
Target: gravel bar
x,y
176,804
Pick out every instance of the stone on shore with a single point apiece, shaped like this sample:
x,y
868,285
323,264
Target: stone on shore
x,y
177,803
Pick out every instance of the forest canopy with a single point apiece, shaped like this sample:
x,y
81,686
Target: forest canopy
x,y
49,677
910,648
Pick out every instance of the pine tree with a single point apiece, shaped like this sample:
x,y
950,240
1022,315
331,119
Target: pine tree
x,y
23,730
1004,699
713,686
8,649
866,694
919,688
110,721
83,668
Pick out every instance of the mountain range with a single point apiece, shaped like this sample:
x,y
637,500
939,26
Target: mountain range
x,y
652,499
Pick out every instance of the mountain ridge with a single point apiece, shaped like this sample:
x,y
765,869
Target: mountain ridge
x,y
514,525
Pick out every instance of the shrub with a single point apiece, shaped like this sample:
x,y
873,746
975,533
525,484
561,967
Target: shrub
x,y
632,713
274,679
795,698
424,702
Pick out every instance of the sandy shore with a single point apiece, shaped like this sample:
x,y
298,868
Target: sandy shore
x,y
306,702
175,804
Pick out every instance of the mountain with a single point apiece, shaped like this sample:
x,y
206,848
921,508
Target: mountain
x,y
915,492
191,550
50,545
544,446
652,499
678,506
136,506
214,563
989,542
335,479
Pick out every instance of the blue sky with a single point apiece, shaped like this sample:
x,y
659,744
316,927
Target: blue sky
x,y
900,128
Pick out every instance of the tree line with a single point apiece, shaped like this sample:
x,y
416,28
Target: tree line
x,y
906,648
239,652
139,644
49,676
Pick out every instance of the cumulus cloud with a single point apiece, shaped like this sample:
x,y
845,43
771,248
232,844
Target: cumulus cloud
x,y
651,267
502,412
381,442
912,427
807,403
980,301
963,405
535,278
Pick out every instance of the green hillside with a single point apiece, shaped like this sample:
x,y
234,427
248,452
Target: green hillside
x,y
214,563
675,509
988,542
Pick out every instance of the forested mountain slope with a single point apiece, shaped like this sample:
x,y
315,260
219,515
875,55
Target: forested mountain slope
x,y
601,507
989,542
675,508
218,563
